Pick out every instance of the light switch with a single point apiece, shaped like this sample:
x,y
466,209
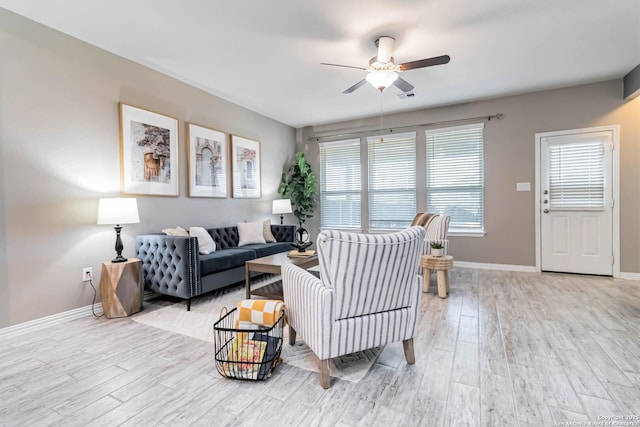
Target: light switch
x,y
523,186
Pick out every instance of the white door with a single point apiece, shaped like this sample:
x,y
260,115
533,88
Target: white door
x,y
576,203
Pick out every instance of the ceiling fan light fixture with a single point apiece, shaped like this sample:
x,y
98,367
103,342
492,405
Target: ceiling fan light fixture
x,y
382,79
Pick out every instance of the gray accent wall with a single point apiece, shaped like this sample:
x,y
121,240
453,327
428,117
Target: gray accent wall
x,y
59,153
509,150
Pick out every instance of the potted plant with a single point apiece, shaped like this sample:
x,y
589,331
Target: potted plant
x,y
298,184
437,248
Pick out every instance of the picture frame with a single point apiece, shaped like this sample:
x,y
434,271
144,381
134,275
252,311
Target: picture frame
x,y
148,153
246,167
208,160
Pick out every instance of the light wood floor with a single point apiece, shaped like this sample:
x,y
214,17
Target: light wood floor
x,y
505,349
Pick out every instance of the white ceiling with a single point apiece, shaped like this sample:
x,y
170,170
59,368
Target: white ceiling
x,y
265,55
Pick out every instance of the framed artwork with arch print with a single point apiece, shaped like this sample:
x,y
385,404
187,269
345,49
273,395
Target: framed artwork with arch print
x,y
245,161
208,161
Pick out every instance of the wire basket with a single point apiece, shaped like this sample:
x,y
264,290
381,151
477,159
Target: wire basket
x,y
246,354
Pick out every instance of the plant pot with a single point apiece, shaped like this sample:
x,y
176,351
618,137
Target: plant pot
x,y
437,252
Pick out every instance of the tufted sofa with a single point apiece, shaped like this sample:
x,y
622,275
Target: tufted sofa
x,y
172,265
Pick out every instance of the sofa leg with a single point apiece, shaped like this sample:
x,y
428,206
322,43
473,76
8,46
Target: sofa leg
x,y
189,304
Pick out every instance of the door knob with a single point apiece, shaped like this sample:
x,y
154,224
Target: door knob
x,y
546,191
546,211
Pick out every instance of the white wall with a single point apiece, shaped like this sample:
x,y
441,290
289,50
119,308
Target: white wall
x,y
60,152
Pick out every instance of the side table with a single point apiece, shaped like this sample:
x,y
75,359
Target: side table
x,y
442,265
121,288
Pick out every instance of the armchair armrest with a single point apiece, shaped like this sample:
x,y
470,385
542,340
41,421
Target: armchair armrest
x,y
170,264
309,305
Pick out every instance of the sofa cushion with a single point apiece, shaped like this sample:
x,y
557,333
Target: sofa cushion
x,y
250,232
206,245
266,231
266,249
225,259
178,231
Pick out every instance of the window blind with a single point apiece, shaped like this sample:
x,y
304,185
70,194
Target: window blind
x,y
455,175
340,184
576,175
392,180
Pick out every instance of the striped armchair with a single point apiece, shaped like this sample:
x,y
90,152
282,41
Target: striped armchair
x,y
368,294
437,227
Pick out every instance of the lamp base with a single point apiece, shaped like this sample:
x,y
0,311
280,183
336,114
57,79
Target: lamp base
x,y
119,258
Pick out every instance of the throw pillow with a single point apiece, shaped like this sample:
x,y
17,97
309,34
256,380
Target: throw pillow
x,y
266,231
206,245
250,232
178,231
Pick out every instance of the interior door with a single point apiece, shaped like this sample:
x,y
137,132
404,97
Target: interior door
x,y
576,202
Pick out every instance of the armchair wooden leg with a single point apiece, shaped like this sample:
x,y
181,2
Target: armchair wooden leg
x,y
292,335
325,379
408,351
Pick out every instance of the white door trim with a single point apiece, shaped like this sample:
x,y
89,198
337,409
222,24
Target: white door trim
x,y
615,130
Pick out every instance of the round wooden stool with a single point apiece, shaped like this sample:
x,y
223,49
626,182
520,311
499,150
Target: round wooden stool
x,y
442,265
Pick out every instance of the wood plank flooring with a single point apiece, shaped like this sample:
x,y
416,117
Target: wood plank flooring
x,y
505,349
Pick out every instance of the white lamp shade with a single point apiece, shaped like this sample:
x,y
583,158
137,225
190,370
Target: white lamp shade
x,y
118,211
282,206
382,79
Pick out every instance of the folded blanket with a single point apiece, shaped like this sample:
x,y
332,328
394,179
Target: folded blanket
x,y
252,312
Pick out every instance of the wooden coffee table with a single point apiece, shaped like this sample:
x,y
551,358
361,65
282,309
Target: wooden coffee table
x,y
273,264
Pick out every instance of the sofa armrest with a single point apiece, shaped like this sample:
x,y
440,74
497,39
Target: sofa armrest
x,y
284,233
170,264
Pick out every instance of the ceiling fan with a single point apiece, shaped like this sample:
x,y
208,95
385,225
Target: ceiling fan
x,y
383,72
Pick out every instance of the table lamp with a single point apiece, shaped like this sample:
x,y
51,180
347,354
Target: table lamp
x,y
280,207
118,211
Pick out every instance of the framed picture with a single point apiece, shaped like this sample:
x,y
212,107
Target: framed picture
x,y
245,159
148,153
208,159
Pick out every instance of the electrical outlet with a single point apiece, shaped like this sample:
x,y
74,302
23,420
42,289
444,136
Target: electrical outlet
x,y
87,274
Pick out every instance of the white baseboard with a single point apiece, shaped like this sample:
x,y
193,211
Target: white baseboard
x,y
504,267
628,276
525,268
44,322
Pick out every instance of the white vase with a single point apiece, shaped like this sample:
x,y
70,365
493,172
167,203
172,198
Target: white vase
x,y
436,252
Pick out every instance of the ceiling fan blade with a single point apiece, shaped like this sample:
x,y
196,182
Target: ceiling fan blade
x,y
421,63
345,66
385,48
355,86
403,85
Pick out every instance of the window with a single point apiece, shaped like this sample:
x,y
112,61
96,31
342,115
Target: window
x,y
392,181
576,175
340,184
455,176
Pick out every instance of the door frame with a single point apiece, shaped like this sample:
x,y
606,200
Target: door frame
x,y
615,130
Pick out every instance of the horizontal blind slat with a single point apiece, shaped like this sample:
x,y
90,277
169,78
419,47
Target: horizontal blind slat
x,y
340,184
455,176
392,180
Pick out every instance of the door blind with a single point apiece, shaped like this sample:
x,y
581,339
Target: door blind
x,y
455,175
340,184
392,181
576,175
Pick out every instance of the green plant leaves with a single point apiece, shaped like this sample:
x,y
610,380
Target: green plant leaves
x,y
298,184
